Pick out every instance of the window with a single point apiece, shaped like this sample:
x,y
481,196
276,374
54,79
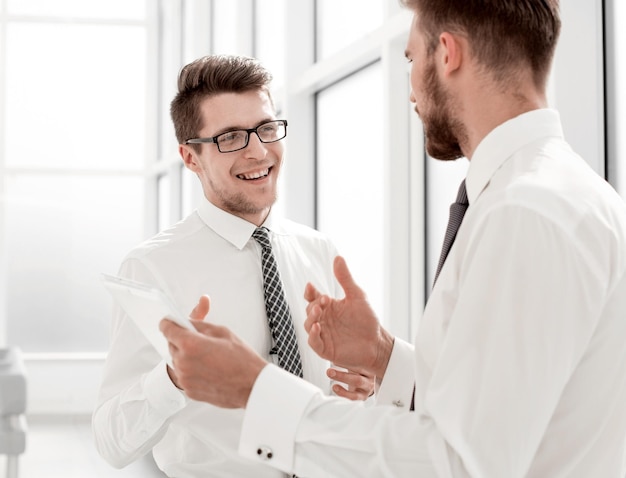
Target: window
x,y
340,23
269,41
72,160
350,175
225,31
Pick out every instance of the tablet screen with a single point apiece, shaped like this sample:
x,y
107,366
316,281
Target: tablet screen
x,y
146,305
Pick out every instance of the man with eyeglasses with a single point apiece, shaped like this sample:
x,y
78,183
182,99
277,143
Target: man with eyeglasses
x,y
229,136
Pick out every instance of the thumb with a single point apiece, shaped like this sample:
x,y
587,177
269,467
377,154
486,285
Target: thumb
x,y
344,277
200,311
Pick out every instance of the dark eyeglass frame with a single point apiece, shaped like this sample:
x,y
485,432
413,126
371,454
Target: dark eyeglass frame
x,y
215,139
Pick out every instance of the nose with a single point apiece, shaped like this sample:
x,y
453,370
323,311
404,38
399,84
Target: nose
x,y
256,148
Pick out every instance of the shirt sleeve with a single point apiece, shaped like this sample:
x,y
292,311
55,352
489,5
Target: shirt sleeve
x,y
396,387
137,397
301,431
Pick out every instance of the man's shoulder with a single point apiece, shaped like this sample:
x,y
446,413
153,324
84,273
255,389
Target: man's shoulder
x,y
302,231
170,237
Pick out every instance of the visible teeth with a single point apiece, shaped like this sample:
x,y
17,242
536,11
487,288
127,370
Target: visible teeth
x,y
256,175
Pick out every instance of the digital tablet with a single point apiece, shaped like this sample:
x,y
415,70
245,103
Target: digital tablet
x,y
146,305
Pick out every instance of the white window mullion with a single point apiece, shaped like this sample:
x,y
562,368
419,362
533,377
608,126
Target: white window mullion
x,y
297,187
398,288
3,251
615,97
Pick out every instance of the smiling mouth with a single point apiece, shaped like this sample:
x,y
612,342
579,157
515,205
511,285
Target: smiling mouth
x,y
255,175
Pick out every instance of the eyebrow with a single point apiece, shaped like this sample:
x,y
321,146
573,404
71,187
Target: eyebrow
x,y
235,128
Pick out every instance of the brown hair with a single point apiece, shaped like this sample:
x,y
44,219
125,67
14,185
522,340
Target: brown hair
x,y
209,76
504,35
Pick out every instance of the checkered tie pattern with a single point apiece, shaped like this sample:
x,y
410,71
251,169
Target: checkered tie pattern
x,y
457,211
278,314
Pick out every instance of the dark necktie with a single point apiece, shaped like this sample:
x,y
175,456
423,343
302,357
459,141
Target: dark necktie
x,y
457,211
279,317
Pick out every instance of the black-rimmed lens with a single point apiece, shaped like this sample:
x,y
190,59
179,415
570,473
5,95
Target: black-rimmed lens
x,y
267,132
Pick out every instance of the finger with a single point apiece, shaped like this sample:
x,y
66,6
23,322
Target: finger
x,y
207,328
354,382
315,339
320,302
310,292
313,314
200,311
350,395
344,277
172,331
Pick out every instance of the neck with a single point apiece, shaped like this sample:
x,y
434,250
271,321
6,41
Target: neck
x,y
486,112
486,103
258,218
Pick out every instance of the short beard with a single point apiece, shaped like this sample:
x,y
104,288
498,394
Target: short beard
x,y
443,132
238,204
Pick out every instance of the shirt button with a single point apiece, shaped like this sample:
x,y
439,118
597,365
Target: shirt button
x,y
265,453
397,403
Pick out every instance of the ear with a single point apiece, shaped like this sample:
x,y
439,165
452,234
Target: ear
x,y
452,49
189,157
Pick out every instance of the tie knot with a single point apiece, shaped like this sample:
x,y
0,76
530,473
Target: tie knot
x,y
261,236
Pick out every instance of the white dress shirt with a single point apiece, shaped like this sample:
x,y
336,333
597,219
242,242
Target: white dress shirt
x,y
210,252
520,357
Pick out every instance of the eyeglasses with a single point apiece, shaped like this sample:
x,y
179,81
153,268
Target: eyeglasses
x,y
237,139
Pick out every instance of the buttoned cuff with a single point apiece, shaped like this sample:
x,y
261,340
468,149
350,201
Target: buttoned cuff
x,y
274,410
396,387
163,396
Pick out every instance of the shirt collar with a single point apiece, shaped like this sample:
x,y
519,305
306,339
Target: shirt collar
x,y
503,141
234,229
